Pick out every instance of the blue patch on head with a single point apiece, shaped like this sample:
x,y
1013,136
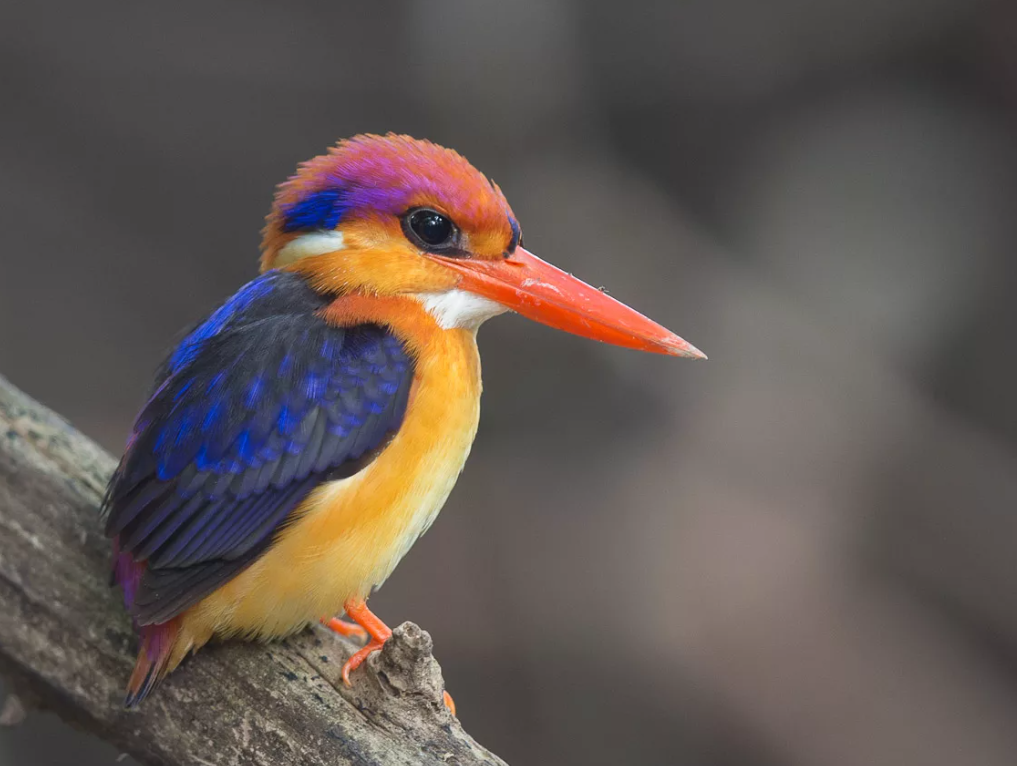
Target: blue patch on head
x,y
318,210
517,235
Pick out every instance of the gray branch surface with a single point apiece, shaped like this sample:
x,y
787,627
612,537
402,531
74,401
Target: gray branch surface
x,y
67,646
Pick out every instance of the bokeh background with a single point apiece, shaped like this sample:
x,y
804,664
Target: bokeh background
x,y
798,553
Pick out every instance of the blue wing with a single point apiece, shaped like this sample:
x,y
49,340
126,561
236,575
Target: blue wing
x,y
259,404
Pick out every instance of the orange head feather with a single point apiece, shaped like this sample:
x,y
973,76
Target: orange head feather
x,y
347,208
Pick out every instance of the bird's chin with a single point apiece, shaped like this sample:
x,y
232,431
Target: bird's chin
x,y
455,308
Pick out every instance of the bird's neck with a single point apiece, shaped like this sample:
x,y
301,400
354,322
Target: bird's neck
x,y
407,318
447,383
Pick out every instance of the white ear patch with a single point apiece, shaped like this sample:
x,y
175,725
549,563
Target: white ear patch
x,y
458,308
315,243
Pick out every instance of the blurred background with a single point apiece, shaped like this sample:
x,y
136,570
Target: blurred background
x,y
798,553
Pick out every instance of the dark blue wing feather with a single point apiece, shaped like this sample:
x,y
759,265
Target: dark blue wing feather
x,y
258,404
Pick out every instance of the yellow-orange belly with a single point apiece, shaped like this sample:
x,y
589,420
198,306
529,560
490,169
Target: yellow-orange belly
x,y
350,534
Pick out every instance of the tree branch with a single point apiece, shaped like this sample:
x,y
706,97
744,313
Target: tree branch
x,y
67,645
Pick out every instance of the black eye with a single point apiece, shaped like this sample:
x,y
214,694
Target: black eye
x,y
430,229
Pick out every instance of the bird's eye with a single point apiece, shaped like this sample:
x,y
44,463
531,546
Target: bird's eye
x,y
429,229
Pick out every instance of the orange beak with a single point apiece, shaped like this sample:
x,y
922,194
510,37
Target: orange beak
x,y
539,291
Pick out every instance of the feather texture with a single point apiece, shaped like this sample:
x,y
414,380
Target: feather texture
x,y
259,404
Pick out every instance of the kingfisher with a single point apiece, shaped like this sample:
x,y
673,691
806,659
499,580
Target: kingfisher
x,y
306,433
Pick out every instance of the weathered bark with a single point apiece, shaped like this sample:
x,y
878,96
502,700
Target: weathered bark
x,y
67,645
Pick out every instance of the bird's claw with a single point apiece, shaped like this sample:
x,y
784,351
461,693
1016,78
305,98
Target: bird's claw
x,y
343,628
358,658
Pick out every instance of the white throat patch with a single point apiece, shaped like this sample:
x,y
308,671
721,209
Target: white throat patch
x,y
315,243
458,308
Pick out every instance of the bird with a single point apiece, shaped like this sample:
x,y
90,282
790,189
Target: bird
x,y
299,439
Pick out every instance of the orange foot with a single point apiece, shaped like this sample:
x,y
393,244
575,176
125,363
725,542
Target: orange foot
x,y
379,632
343,628
372,626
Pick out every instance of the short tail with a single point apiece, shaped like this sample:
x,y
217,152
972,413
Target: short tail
x,y
157,641
157,644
